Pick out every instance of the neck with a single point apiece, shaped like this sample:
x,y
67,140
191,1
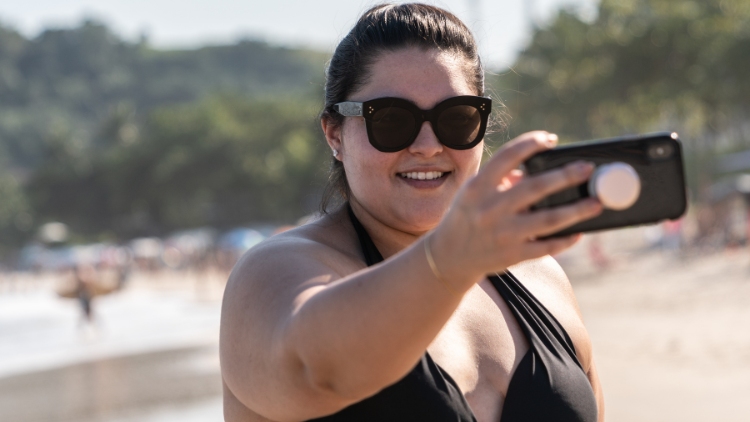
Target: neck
x,y
387,239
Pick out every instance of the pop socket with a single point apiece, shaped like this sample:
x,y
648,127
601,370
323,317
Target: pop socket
x,y
616,185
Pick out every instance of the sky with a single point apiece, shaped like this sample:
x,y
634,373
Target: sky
x,y
501,26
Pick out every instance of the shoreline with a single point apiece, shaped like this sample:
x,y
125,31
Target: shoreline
x,y
113,388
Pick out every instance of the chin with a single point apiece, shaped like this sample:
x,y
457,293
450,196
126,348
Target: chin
x,y
421,217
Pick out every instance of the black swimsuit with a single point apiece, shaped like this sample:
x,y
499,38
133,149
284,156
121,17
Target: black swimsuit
x,y
548,385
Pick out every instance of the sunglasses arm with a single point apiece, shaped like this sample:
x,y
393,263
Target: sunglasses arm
x,y
348,108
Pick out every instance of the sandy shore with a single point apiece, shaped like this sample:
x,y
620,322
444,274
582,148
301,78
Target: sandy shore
x,y
671,334
125,388
151,356
671,340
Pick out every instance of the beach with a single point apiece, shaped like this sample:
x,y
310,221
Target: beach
x,y
150,356
671,334
670,331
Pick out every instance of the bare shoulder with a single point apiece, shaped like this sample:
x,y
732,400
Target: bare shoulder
x,y
547,281
315,253
267,285
548,269
546,277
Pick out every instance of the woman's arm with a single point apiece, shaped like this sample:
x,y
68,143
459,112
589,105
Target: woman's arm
x,y
299,341
301,337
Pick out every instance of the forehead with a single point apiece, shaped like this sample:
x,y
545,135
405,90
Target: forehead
x,y
424,77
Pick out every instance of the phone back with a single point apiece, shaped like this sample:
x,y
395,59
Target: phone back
x,y
657,158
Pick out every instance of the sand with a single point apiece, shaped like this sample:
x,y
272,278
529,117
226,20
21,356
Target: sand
x,y
671,334
126,387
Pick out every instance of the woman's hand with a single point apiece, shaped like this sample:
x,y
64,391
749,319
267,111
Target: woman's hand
x,y
489,226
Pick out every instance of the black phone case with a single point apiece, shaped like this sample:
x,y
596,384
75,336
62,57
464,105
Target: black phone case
x,y
662,196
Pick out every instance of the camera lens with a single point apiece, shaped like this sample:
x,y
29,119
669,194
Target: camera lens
x,y
660,151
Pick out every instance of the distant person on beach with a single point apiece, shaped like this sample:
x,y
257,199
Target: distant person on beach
x,y
424,295
85,289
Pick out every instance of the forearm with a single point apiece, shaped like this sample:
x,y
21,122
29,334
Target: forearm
x,y
367,330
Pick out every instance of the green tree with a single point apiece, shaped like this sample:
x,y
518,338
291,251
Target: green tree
x,y
222,162
16,219
639,66
76,75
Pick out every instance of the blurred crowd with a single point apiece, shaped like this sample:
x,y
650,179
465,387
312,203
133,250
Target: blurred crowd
x,y
710,226
82,272
195,249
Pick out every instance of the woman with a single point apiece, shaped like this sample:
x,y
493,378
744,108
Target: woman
x,y
382,310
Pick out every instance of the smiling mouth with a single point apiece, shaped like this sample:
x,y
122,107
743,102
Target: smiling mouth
x,y
423,175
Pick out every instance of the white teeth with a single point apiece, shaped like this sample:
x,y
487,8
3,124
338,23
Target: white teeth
x,y
421,175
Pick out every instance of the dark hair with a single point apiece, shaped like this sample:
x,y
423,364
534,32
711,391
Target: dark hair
x,y
389,27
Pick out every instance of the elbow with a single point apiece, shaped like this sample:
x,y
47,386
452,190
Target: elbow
x,y
292,379
290,393
323,393
312,370
321,370
331,385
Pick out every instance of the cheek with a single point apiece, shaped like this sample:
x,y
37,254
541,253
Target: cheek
x,y
353,136
470,160
364,165
366,169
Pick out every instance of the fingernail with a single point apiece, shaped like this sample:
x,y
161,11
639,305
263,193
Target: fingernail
x,y
552,139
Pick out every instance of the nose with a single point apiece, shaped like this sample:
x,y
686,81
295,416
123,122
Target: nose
x,y
427,143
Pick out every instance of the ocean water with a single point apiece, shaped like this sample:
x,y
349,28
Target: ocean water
x,y
139,328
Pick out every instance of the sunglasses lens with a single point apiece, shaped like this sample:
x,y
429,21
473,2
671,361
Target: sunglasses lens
x,y
392,127
459,125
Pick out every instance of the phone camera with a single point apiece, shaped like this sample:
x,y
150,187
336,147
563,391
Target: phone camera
x,y
660,151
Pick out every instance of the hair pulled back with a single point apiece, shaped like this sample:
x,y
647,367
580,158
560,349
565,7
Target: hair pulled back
x,y
384,28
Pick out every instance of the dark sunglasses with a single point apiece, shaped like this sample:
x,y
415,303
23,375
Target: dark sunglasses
x,y
394,123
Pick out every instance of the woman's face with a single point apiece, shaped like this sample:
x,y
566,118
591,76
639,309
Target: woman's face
x,y
382,183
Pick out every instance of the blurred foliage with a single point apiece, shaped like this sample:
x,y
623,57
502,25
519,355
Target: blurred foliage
x,y
15,214
118,139
73,77
221,162
639,66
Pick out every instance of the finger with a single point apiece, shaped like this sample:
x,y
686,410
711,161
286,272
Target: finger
x,y
512,154
551,220
540,248
510,180
533,189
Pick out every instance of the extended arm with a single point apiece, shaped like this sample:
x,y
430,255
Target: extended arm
x,y
304,335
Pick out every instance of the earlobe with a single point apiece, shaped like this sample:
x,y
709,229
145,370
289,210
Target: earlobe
x,y
332,133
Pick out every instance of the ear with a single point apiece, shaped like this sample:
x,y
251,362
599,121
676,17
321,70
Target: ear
x,y
332,133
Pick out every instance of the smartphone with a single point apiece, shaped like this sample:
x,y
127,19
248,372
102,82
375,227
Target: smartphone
x,y
656,161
